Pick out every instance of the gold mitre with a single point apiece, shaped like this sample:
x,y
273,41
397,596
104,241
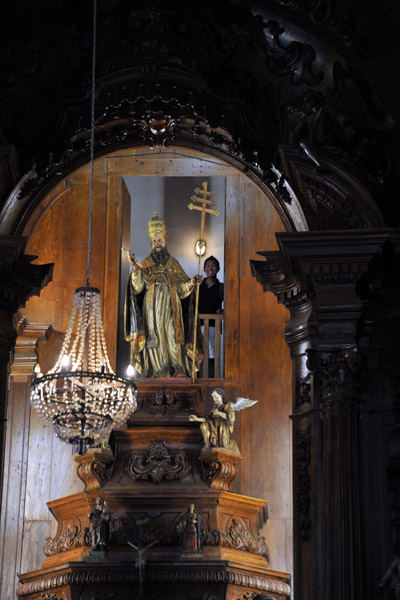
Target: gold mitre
x,y
156,226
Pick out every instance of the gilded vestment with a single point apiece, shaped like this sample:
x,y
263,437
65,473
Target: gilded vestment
x,y
160,343
220,428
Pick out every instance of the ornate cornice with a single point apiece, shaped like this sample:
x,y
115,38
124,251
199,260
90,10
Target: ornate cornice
x,y
19,278
140,127
276,275
154,574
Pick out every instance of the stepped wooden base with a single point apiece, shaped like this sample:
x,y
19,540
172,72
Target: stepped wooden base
x,y
158,471
230,523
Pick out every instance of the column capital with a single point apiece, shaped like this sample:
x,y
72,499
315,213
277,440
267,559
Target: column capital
x,y
338,373
320,269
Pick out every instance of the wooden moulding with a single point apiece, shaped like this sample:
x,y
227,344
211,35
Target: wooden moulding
x,y
230,524
166,581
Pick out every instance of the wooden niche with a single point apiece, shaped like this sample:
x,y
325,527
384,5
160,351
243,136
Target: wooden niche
x,y
154,469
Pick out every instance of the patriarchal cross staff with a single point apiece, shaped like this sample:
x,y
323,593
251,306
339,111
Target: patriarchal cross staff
x,y
201,196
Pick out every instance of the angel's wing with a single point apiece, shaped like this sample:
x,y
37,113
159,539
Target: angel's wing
x,y
242,403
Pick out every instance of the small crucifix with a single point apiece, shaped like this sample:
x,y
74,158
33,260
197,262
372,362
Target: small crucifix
x,y
202,197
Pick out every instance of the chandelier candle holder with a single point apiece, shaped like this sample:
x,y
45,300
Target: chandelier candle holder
x,y
81,394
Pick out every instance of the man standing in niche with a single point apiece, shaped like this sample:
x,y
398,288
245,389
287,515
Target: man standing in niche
x,y
211,298
159,330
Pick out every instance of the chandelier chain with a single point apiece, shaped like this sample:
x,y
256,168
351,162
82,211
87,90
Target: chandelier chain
x,y
92,122
81,394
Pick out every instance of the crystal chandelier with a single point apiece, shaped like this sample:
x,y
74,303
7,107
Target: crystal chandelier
x,y
81,394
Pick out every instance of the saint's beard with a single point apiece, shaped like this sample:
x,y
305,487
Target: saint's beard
x,y
160,256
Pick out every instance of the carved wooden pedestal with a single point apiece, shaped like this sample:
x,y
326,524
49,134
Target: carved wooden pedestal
x,y
220,467
157,473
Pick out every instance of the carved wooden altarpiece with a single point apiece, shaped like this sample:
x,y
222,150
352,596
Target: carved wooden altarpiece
x,y
155,471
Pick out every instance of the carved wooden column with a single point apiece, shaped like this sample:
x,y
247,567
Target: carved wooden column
x,y
378,340
19,280
326,267
339,493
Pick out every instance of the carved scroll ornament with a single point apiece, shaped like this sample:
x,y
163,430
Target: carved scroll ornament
x,y
72,536
219,467
94,469
238,536
158,463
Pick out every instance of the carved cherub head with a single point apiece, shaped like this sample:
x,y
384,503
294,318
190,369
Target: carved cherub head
x,y
159,397
169,397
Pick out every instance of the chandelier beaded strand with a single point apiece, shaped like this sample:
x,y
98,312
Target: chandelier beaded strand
x,y
81,394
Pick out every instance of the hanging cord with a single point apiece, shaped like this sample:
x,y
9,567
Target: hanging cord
x,y
89,259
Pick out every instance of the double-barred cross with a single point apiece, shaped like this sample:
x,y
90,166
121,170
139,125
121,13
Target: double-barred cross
x,y
202,197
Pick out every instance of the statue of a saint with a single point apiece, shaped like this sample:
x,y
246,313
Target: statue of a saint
x,y
190,527
217,427
158,327
100,525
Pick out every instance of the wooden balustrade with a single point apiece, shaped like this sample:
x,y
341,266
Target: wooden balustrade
x,y
212,367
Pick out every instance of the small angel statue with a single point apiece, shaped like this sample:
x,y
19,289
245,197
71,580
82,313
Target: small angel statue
x,y
217,427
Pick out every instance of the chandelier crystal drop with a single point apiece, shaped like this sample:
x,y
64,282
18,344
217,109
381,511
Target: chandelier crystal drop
x,y
81,394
